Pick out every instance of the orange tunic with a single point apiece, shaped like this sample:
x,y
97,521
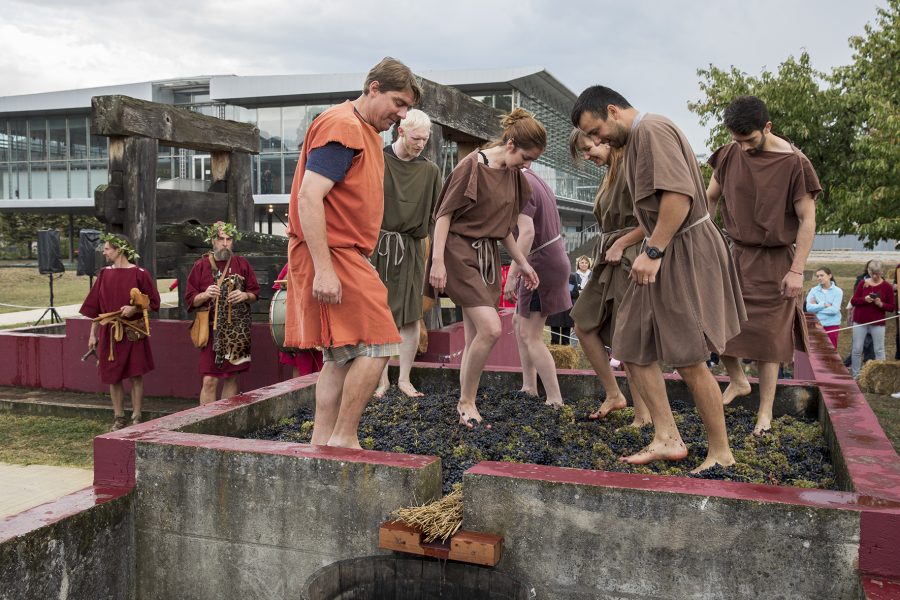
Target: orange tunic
x,y
353,213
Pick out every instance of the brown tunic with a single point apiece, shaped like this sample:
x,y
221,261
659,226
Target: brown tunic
x,y
411,189
548,252
598,303
484,204
695,304
760,191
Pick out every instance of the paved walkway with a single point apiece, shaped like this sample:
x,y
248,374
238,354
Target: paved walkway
x,y
28,317
23,487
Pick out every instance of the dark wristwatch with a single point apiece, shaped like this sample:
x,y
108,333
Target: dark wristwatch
x,y
654,252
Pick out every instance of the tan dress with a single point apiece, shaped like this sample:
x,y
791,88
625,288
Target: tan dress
x,y
695,304
484,204
411,189
598,303
760,191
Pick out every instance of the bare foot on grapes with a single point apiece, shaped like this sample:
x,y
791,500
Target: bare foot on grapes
x,y
735,389
381,390
409,389
657,451
468,413
529,391
712,461
349,443
557,404
763,425
637,423
616,402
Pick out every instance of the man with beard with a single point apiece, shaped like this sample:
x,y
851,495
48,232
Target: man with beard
x,y
335,299
770,212
412,184
684,298
229,309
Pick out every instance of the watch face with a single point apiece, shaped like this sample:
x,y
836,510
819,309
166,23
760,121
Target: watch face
x,y
653,253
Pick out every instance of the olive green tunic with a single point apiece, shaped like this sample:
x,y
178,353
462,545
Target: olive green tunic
x,y
411,189
695,305
598,303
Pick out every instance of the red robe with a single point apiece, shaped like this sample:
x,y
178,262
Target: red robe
x,y
112,291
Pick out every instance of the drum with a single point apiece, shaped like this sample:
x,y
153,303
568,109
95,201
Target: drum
x,y
277,316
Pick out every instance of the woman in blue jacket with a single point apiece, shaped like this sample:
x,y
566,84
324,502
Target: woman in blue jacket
x,y
824,301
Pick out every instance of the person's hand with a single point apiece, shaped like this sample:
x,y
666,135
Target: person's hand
x,y
92,342
614,253
870,299
826,305
509,290
530,276
212,291
877,301
791,285
327,287
438,276
129,311
235,296
644,269
814,301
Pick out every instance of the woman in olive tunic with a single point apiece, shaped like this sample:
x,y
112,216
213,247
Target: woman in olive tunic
x,y
595,310
412,184
479,205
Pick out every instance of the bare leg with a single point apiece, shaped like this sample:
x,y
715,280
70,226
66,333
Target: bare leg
x,y
328,401
738,384
409,336
595,351
768,377
705,390
486,327
208,391
383,384
529,373
137,398
117,395
641,412
359,382
532,333
230,387
667,443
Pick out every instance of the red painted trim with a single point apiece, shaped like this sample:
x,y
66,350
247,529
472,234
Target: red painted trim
x,y
57,510
877,588
879,548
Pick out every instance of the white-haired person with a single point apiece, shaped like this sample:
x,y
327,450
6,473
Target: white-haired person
x,y
412,184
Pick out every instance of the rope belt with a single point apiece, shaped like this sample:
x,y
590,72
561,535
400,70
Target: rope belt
x,y
117,327
487,255
545,244
384,246
686,229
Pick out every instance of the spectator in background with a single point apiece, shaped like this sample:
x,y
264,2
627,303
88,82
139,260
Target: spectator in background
x,y
825,300
303,362
872,301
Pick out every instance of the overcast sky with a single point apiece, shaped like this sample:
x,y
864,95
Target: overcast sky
x,y
647,50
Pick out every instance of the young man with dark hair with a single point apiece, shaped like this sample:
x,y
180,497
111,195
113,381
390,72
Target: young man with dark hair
x,y
769,212
684,298
335,299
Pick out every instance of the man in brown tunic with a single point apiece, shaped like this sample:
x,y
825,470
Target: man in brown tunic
x,y
684,297
412,184
770,212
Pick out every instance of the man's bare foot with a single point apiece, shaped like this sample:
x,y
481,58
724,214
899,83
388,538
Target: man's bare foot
x,y
380,391
611,403
350,444
763,426
554,403
712,461
529,391
735,389
409,389
657,451
468,413
637,423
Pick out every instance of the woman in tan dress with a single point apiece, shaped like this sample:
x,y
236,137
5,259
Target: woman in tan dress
x,y
479,205
595,310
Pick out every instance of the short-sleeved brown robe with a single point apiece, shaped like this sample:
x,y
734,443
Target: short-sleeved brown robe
x,y
483,204
598,303
760,190
695,304
411,189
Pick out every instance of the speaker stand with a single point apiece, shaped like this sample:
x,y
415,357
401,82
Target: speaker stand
x,y
54,316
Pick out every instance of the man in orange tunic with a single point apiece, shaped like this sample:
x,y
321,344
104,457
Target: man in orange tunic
x,y
335,298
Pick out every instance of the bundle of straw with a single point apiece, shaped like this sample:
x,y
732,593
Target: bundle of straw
x,y
438,520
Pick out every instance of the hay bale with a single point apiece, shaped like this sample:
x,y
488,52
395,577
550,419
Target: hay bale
x,y
436,520
880,377
564,357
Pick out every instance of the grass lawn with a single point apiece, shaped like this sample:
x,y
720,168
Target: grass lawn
x,y
60,441
887,410
26,287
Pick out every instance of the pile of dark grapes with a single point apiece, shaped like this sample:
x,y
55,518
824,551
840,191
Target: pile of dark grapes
x,y
525,430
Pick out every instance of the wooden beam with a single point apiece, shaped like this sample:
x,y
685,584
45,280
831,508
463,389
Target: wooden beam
x,y
464,546
458,111
184,206
139,193
240,191
179,127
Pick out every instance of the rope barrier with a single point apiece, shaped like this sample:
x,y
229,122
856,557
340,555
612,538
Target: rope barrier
x,y
25,307
869,323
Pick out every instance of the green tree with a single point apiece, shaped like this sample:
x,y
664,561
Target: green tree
x,y
846,122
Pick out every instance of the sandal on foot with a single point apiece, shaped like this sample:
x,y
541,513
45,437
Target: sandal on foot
x,y
136,419
119,423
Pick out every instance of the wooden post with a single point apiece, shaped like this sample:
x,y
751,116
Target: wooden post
x,y
139,195
240,192
463,149
433,150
